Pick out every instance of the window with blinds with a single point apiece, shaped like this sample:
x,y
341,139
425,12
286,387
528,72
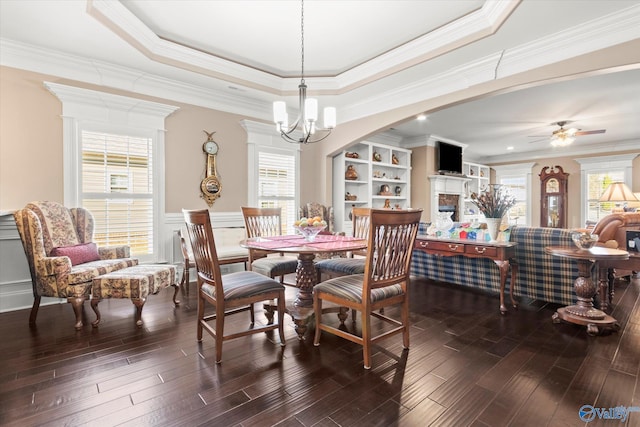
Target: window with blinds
x,y
277,185
117,188
597,182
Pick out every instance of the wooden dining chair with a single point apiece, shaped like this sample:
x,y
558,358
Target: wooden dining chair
x,y
267,222
384,282
189,263
231,293
354,262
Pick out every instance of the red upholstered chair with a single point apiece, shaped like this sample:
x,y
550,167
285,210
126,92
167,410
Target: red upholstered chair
x,y
384,283
63,260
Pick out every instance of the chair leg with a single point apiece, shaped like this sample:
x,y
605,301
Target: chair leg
x,y
317,308
139,303
94,306
200,317
77,303
219,338
176,302
34,309
269,310
366,339
185,279
252,314
281,308
405,322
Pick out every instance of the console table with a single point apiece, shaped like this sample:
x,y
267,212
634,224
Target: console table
x,y
500,252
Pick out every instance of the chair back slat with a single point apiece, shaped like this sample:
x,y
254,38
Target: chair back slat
x,y
262,222
203,248
392,235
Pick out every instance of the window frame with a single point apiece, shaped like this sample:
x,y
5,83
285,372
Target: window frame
x,y
84,109
264,138
602,164
518,170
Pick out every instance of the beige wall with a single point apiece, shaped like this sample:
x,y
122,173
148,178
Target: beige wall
x,y
30,140
185,161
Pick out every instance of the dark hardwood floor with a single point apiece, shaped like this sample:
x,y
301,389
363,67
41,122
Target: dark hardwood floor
x,y
467,365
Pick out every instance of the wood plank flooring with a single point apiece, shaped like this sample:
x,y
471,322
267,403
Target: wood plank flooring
x,y
467,365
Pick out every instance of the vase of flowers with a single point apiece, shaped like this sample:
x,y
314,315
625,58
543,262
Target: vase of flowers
x,y
494,203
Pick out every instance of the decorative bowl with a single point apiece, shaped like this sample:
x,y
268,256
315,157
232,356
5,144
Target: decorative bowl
x,y
584,240
310,232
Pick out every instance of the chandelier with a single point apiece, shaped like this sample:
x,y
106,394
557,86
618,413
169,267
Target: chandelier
x,y
307,120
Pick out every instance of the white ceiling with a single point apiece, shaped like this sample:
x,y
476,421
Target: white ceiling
x,y
364,57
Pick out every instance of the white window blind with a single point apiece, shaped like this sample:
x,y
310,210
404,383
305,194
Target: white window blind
x,y
117,187
277,185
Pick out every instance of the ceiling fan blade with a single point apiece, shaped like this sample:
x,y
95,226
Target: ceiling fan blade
x,y
590,132
544,138
538,136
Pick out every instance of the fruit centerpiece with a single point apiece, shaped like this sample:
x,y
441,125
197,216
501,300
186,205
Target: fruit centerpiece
x,y
310,227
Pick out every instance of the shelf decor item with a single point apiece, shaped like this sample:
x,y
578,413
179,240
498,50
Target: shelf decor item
x,y
351,173
494,203
350,197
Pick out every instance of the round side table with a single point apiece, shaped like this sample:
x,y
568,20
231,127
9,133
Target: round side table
x,y
584,313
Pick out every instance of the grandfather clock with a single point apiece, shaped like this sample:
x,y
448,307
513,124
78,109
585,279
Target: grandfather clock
x,y
553,192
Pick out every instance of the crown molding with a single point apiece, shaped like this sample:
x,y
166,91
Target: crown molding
x,y
54,63
467,29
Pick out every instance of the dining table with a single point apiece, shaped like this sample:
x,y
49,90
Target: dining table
x,y
301,308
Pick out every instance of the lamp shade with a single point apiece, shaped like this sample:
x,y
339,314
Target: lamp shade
x,y
618,192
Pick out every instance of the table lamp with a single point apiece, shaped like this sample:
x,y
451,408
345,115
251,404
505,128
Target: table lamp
x,y
618,192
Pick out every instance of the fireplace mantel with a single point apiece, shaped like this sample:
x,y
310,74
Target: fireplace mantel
x,y
446,184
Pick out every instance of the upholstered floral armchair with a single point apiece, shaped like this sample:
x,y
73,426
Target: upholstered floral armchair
x,y
311,210
63,260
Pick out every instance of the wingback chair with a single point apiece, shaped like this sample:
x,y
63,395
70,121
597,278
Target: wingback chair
x,y
63,260
313,209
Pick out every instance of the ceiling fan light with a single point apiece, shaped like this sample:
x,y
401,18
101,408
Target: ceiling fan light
x,y
561,140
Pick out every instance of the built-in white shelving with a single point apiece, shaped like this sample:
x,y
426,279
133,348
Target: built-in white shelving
x,y
383,175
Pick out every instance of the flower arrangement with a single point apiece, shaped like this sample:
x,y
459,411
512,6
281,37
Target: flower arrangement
x,y
494,202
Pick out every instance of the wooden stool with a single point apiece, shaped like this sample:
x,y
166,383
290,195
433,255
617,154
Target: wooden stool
x,y
134,283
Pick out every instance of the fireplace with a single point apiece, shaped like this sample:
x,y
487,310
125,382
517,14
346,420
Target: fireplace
x,y
449,203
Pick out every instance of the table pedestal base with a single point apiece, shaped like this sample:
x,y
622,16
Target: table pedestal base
x,y
594,326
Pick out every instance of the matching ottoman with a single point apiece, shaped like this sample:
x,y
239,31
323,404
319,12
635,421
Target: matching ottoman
x,y
134,283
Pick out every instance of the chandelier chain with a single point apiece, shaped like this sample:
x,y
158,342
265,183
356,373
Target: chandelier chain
x,y
302,39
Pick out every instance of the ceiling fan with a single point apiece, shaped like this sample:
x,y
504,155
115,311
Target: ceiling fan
x,y
563,137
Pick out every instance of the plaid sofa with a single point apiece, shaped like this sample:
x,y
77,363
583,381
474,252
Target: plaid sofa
x,y
540,276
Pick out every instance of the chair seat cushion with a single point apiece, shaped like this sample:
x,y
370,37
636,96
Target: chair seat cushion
x,y
244,284
344,266
273,266
350,288
86,272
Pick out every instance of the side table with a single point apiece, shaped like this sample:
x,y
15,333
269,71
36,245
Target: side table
x,y
584,313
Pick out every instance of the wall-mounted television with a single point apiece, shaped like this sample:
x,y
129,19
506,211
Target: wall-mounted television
x,y
448,158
